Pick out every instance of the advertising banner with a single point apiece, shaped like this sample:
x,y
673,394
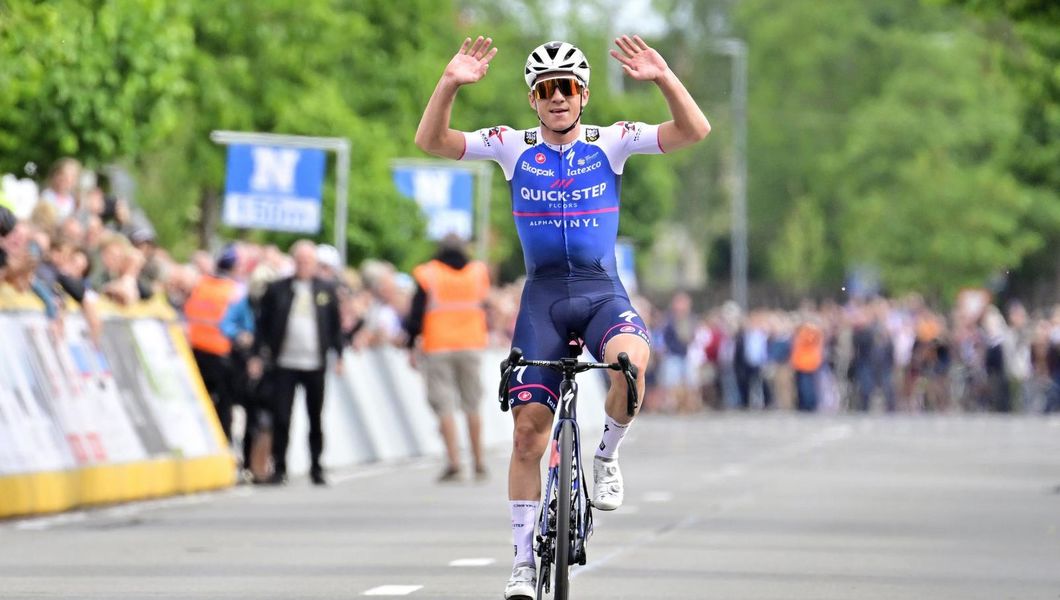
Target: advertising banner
x,y
273,188
444,194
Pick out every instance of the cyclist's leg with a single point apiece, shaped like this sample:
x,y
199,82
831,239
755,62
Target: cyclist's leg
x,y
533,400
638,351
615,328
533,426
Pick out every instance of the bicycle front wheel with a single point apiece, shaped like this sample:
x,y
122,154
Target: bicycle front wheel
x,y
563,510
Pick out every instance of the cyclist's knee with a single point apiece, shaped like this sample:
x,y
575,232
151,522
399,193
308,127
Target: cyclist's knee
x,y
531,433
637,349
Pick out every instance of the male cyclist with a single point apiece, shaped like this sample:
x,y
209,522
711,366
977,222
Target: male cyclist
x,y
565,180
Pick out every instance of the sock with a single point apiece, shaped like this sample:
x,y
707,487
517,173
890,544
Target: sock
x,y
613,434
524,516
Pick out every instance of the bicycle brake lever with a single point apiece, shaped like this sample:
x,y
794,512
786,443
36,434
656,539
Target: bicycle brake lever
x,y
507,365
630,371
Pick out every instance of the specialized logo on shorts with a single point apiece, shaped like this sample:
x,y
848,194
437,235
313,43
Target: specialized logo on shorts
x,y
525,396
536,170
530,137
540,158
498,132
592,134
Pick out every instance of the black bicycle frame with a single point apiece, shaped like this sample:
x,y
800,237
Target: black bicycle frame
x,y
548,538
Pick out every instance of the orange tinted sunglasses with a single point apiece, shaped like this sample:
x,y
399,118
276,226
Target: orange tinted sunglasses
x,y
568,86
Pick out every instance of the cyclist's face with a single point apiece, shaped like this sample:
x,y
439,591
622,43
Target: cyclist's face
x,y
559,111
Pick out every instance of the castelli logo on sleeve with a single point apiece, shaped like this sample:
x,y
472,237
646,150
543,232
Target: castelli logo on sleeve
x,y
525,395
628,329
540,158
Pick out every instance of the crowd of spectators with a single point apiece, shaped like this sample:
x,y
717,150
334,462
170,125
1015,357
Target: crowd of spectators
x,y
876,354
883,354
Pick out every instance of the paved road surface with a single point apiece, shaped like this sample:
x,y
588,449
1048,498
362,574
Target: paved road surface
x,y
755,507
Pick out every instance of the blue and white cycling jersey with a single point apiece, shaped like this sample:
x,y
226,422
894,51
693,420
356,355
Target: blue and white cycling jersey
x,y
565,199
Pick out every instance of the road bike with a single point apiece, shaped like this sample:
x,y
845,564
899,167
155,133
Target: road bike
x,y
565,523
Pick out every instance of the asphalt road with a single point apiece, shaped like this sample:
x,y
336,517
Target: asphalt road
x,y
751,507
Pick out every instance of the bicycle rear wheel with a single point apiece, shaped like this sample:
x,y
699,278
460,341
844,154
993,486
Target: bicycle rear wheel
x,y
563,511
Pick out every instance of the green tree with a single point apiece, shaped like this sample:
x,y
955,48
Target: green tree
x,y
923,180
100,81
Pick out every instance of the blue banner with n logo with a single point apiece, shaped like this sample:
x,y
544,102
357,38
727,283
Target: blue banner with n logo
x,y
444,194
274,188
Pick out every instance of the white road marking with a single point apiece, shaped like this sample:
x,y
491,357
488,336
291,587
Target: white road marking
x,y
658,497
472,562
816,440
392,590
383,470
42,523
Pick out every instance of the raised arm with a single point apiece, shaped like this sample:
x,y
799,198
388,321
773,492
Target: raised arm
x,y
468,66
643,63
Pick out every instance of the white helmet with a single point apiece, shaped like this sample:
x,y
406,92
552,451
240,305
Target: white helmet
x,y
556,56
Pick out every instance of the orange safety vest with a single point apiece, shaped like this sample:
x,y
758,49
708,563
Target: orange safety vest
x,y
807,349
204,310
455,318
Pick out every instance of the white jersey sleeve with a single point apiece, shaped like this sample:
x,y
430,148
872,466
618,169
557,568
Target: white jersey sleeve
x,y
501,144
624,139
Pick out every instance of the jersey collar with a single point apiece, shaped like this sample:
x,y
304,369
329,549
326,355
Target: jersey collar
x,y
561,148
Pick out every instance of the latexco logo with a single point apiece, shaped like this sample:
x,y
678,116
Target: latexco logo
x,y
537,171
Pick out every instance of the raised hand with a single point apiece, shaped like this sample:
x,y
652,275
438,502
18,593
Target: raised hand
x,y
639,61
471,62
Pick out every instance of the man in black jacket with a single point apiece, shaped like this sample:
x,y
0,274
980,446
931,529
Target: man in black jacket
x,y
298,322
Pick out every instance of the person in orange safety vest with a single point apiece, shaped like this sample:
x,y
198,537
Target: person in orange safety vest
x,y
447,328
213,314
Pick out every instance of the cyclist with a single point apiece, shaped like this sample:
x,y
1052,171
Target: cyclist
x,y
564,178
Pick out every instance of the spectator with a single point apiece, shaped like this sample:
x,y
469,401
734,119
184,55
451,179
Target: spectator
x,y
7,225
207,310
62,185
807,357
447,323
677,332
298,323
383,320
750,357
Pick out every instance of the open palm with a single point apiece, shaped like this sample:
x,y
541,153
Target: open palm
x,y
471,62
639,61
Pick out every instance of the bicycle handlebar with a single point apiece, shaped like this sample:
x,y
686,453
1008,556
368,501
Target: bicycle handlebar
x,y
570,367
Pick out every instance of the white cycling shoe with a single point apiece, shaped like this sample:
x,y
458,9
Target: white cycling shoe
x,y
607,488
523,583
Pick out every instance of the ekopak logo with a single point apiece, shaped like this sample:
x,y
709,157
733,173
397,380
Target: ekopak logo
x,y
540,158
536,171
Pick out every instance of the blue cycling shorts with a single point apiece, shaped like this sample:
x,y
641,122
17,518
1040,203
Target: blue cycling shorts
x,y
551,310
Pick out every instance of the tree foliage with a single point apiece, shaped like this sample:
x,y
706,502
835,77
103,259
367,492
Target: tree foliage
x,y
917,138
144,82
